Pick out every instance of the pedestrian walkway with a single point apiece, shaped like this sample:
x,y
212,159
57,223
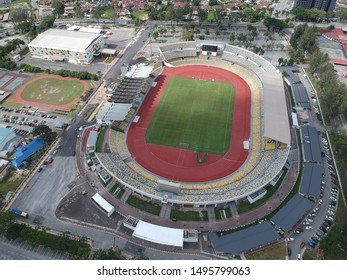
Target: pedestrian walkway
x,y
165,211
211,213
234,209
126,195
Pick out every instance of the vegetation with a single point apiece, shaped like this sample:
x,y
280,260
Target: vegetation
x,y
11,182
189,215
144,205
218,210
300,13
334,246
307,255
7,51
108,254
274,252
53,91
83,75
211,130
77,248
45,133
100,141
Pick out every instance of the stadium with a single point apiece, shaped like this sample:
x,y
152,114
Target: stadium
x,y
212,128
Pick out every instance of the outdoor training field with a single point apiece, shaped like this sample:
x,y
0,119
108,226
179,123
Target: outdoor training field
x,y
50,92
194,112
53,91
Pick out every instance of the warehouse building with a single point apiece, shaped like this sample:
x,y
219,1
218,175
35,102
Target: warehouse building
x,y
65,45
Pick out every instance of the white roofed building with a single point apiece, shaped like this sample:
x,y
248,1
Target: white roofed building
x,y
66,45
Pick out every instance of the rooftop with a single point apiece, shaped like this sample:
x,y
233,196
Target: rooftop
x,y
64,40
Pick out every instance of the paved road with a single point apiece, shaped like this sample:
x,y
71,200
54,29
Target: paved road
x,y
15,250
127,56
321,213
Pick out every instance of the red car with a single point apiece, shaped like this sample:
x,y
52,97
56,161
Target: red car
x,y
302,245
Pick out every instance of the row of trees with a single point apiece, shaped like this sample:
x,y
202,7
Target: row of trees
x,y
300,13
76,248
305,48
82,75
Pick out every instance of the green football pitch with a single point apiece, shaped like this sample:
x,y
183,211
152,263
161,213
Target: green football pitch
x,y
194,113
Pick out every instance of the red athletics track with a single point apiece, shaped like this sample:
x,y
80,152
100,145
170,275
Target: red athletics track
x,y
179,164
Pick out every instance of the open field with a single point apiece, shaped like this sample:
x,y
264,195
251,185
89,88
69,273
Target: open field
x,y
52,91
194,112
274,252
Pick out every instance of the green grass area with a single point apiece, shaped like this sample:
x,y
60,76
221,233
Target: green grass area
x,y
307,255
212,16
189,215
143,205
193,112
52,91
11,182
120,191
91,111
139,15
275,252
10,104
217,212
245,206
100,141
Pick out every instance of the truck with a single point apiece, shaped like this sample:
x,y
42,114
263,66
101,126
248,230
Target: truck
x,y
20,213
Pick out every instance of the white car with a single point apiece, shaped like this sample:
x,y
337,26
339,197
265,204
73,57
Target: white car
x,y
308,227
290,239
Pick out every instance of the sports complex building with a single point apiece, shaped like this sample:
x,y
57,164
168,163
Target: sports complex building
x,y
188,174
65,45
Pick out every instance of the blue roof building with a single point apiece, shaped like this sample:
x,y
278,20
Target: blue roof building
x,y
22,153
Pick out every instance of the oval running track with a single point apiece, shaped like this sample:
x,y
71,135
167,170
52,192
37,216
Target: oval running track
x,y
180,165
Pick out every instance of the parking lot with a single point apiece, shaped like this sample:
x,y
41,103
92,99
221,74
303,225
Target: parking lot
x,y
24,119
17,250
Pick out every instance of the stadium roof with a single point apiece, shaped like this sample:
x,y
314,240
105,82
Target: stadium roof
x,y
64,40
300,95
111,112
290,214
291,74
275,108
311,181
245,239
93,137
159,234
23,152
311,143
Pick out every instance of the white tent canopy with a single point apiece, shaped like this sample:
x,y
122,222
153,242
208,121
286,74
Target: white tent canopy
x,y
159,234
107,207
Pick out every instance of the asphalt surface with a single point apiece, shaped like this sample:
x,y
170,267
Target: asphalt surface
x,y
129,53
322,212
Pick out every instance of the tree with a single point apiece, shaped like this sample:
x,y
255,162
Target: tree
x,y
113,15
109,254
46,23
187,36
274,24
41,129
155,35
58,7
97,13
78,11
299,13
212,2
19,15
202,14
